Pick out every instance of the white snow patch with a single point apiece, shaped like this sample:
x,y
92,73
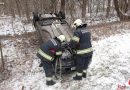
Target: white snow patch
x,y
109,67
10,26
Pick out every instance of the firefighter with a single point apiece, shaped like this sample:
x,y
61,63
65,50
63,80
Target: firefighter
x,y
81,45
47,53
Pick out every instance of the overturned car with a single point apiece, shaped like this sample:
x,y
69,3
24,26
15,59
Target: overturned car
x,y
52,25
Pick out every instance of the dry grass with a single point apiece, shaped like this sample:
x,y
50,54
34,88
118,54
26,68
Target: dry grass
x,y
107,30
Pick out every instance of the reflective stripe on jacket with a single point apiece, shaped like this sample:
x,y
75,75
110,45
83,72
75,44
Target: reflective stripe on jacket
x,y
84,51
59,53
81,41
45,52
46,56
75,38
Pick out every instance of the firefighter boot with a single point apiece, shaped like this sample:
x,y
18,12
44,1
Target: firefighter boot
x,y
50,83
78,76
84,74
41,65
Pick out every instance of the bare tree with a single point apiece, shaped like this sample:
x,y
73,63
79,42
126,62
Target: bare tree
x,y
71,9
53,6
104,4
11,8
62,6
90,7
128,4
120,14
128,12
108,8
84,5
18,7
2,7
123,5
98,6
1,58
27,11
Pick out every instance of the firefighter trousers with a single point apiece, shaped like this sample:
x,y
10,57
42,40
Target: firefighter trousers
x,y
82,63
48,68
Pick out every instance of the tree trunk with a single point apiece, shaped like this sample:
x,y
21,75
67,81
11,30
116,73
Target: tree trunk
x,y
1,59
104,4
27,11
89,7
108,8
18,7
128,4
84,5
123,5
98,7
62,6
11,9
119,13
53,6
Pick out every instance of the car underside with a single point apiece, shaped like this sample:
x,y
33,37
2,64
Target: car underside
x,y
49,26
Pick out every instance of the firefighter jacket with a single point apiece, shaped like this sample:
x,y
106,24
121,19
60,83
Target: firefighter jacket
x,y
81,41
50,49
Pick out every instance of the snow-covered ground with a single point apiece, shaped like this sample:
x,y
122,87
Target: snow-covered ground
x,y
17,26
10,26
110,66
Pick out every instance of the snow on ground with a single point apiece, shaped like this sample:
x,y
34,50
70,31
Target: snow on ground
x,y
111,62
10,26
95,21
110,66
17,26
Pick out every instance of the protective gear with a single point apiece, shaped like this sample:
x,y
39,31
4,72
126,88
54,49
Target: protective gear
x,y
48,50
78,76
82,64
84,75
59,53
84,51
49,83
47,53
74,51
40,65
81,41
48,68
46,56
77,23
62,38
53,50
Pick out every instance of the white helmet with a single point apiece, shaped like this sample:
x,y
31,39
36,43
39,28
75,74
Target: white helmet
x,y
77,23
61,38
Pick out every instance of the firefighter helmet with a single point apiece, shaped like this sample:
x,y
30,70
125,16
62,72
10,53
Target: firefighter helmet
x,y
61,38
77,23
